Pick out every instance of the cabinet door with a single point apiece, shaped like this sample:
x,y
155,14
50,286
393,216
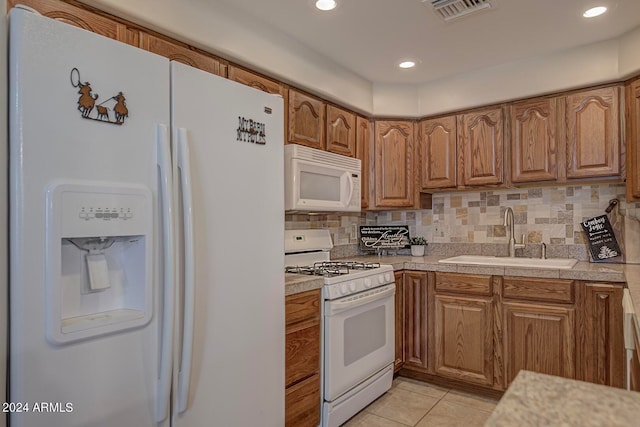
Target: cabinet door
x,y
481,135
415,320
306,120
633,140
180,52
602,339
539,338
363,152
593,133
463,335
79,17
534,143
254,80
437,153
399,321
394,164
341,131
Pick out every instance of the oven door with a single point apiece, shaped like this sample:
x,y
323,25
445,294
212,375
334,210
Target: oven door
x,y
358,338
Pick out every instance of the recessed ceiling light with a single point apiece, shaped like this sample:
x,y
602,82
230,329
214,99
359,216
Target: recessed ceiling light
x,y
594,11
407,64
326,4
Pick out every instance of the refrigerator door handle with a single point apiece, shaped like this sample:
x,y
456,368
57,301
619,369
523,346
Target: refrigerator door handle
x,y
184,170
163,149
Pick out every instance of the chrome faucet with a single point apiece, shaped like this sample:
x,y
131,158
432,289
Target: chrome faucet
x,y
509,222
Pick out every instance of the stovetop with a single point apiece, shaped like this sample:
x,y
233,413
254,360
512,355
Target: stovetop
x,y
332,268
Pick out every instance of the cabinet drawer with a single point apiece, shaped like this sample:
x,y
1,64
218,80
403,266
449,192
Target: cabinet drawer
x,y
551,290
471,284
302,403
302,351
299,307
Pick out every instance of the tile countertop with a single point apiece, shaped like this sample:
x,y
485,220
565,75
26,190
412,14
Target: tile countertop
x,y
543,400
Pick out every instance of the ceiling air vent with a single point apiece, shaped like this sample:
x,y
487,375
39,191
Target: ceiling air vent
x,y
453,9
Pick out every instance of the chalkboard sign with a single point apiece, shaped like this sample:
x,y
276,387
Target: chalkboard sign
x,y
600,238
384,237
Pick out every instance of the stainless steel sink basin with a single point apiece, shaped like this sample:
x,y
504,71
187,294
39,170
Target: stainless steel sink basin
x,y
558,263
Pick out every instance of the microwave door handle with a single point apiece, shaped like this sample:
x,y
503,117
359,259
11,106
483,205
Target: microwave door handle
x,y
350,182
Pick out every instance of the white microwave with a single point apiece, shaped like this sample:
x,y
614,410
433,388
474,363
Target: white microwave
x,y
319,181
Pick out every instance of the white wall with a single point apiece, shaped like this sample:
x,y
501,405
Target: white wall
x,y
629,60
221,29
4,227
565,70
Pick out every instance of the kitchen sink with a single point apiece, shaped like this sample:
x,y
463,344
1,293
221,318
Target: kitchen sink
x,y
559,263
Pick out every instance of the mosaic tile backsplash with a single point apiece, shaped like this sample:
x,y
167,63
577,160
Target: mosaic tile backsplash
x,y
550,215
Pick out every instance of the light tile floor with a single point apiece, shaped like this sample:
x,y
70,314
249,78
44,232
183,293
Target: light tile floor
x,y
417,404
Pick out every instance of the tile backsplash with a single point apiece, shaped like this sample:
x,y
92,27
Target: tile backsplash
x,y
545,214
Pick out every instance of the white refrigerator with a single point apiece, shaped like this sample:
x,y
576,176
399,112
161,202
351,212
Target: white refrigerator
x,y
146,238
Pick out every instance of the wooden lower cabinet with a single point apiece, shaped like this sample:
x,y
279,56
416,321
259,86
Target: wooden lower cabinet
x,y
601,339
463,336
415,320
480,331
539,338
302,359
399,321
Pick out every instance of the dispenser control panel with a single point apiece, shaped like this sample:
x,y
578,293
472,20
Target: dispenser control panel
x,y
88,213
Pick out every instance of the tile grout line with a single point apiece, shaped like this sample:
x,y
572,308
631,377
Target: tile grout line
x,y
430,409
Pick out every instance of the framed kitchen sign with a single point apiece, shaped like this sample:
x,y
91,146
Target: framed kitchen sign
x,y
377,237
601,239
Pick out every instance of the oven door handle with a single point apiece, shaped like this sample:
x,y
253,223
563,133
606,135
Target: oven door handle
x,y
335,307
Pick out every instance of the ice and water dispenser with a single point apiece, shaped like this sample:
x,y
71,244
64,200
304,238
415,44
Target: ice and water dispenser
x,y
99,259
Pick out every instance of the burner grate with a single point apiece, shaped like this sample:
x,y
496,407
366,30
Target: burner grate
x,y
332,268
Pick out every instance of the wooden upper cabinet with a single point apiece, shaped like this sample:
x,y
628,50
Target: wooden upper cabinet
x,y
394,164
341,131
306,120
534,142
79,17
437,155
363,152
633,139
179,52
254,80
480,136
593,133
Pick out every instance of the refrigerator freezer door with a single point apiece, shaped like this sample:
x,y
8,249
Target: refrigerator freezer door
x,y
84,109
235,136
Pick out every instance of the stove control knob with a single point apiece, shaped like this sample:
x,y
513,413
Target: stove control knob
x,y
343,288
381,279
367,283
352,286
387,277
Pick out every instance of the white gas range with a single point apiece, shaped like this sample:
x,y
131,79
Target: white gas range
x,y
358,324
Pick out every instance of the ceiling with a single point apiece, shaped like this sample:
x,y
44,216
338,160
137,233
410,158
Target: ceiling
x,y
370,37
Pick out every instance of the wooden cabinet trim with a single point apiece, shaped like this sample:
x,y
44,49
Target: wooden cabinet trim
x,y
437,153
393,165
306,120
415,319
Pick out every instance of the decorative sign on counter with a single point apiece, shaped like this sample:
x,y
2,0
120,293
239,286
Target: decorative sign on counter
x,y
384,237
600,238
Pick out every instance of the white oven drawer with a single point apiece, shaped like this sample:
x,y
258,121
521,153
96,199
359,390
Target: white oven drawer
x,y
358,339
